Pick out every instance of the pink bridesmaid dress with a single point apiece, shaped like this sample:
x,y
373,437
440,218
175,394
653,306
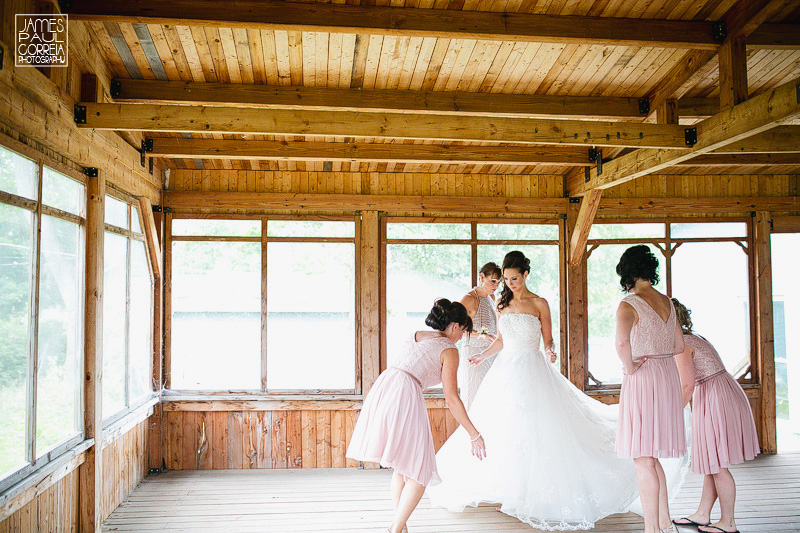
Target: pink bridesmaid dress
x,y
723,430
393,427
650,404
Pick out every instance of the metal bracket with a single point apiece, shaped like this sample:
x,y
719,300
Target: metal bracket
x,y
690,135
158,209
150,165
644,106
90,171
574,199
597,156
719,31
797,88
147,146
587,174
79,114
2,52
115,88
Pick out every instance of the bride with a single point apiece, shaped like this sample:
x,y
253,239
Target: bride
x,y
550,458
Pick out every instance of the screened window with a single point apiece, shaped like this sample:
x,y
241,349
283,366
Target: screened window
x,y
42,253
427,260
127,311
263,305
685,252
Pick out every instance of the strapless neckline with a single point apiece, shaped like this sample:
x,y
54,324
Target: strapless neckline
x,y
523,314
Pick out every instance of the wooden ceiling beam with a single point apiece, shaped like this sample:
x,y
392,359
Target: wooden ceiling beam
x,y
730,160
751,117
776,140
397,21
709,206
173,148
580,235
775,37
235,120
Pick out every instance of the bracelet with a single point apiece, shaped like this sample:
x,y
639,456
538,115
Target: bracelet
x,y
476,438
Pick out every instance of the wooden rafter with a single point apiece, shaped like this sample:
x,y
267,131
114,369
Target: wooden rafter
x,y
294,97
775,37
209,119
398,153
756,115
375,20
726,160
580,235
776,140
709,206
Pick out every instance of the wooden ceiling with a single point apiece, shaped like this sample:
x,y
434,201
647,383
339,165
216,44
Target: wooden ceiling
x,y
433,86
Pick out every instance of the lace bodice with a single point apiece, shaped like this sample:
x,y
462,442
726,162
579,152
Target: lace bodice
x,y
485,316
520,330
651,335
707,362
423,359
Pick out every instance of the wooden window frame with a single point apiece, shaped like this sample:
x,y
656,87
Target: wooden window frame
x,y
265,393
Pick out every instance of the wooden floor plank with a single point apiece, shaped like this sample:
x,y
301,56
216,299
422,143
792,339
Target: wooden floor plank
x,y
358,501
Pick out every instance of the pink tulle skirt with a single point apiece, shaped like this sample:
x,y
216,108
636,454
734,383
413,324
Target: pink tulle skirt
x,y
651,412
393,429
723,430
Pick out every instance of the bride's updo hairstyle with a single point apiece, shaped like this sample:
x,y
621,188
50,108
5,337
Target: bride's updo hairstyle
x,y
444,312
515,259
637,262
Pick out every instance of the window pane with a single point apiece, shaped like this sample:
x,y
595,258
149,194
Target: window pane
x,y
543,279
710,229
311,320
216,228
15,287
416,275
427,230
114,285
136,227
140,340
303,228
604,294
116,212
522,232
58,398
216,315
724,319
63,193
627,231
18,175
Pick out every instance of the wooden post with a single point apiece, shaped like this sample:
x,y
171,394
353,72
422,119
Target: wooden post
x,y
732,73
91,475
370,291
577,324
583,223
154,449
764,331
667,113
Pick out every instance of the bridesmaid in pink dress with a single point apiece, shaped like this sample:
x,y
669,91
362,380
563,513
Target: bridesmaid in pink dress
x,y
650,406
393,428
723,430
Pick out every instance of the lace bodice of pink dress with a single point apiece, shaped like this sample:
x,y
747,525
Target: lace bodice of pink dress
x,y
707,362
423,359
651,336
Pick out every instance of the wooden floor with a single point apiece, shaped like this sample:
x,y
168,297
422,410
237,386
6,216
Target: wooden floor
x,y
358,501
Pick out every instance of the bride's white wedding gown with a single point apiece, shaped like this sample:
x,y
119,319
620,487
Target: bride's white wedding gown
x,y
550,458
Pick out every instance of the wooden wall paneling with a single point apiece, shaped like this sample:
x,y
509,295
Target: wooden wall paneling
x,y
338,439
438,427
205,440
278,435
764,331
294,439
324,430
349,423
235,438
219,440
309,439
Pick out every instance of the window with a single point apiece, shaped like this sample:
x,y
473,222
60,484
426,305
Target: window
x,y
127,311
263,305
41,314
429,260
684,251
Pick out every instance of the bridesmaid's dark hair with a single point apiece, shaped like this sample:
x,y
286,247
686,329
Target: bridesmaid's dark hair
x,y
491,268
515,259
637,262
444,312
684,316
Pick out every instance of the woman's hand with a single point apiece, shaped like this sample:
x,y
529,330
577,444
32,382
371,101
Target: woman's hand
x,y
489,337
477,359
552,355
634,367
478,447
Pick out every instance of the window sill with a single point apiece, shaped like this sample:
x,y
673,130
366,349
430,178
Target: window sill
x,y
173,401
126,420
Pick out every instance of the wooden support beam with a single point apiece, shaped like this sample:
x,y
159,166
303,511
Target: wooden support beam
x,y
586,214
292,97
759,160
577,324
732,73
710,206
207,119
186,201
775,37
173,148
91,471
777,140
397,21
150,235
751,117
764,330
698,107
667,113
370,295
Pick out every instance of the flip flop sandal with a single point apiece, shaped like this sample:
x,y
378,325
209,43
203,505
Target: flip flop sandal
x,y
715,529
689,522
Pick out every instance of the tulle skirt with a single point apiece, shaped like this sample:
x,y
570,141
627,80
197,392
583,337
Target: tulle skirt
x,y
724,432
550,458
651,412
470,377
393,429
